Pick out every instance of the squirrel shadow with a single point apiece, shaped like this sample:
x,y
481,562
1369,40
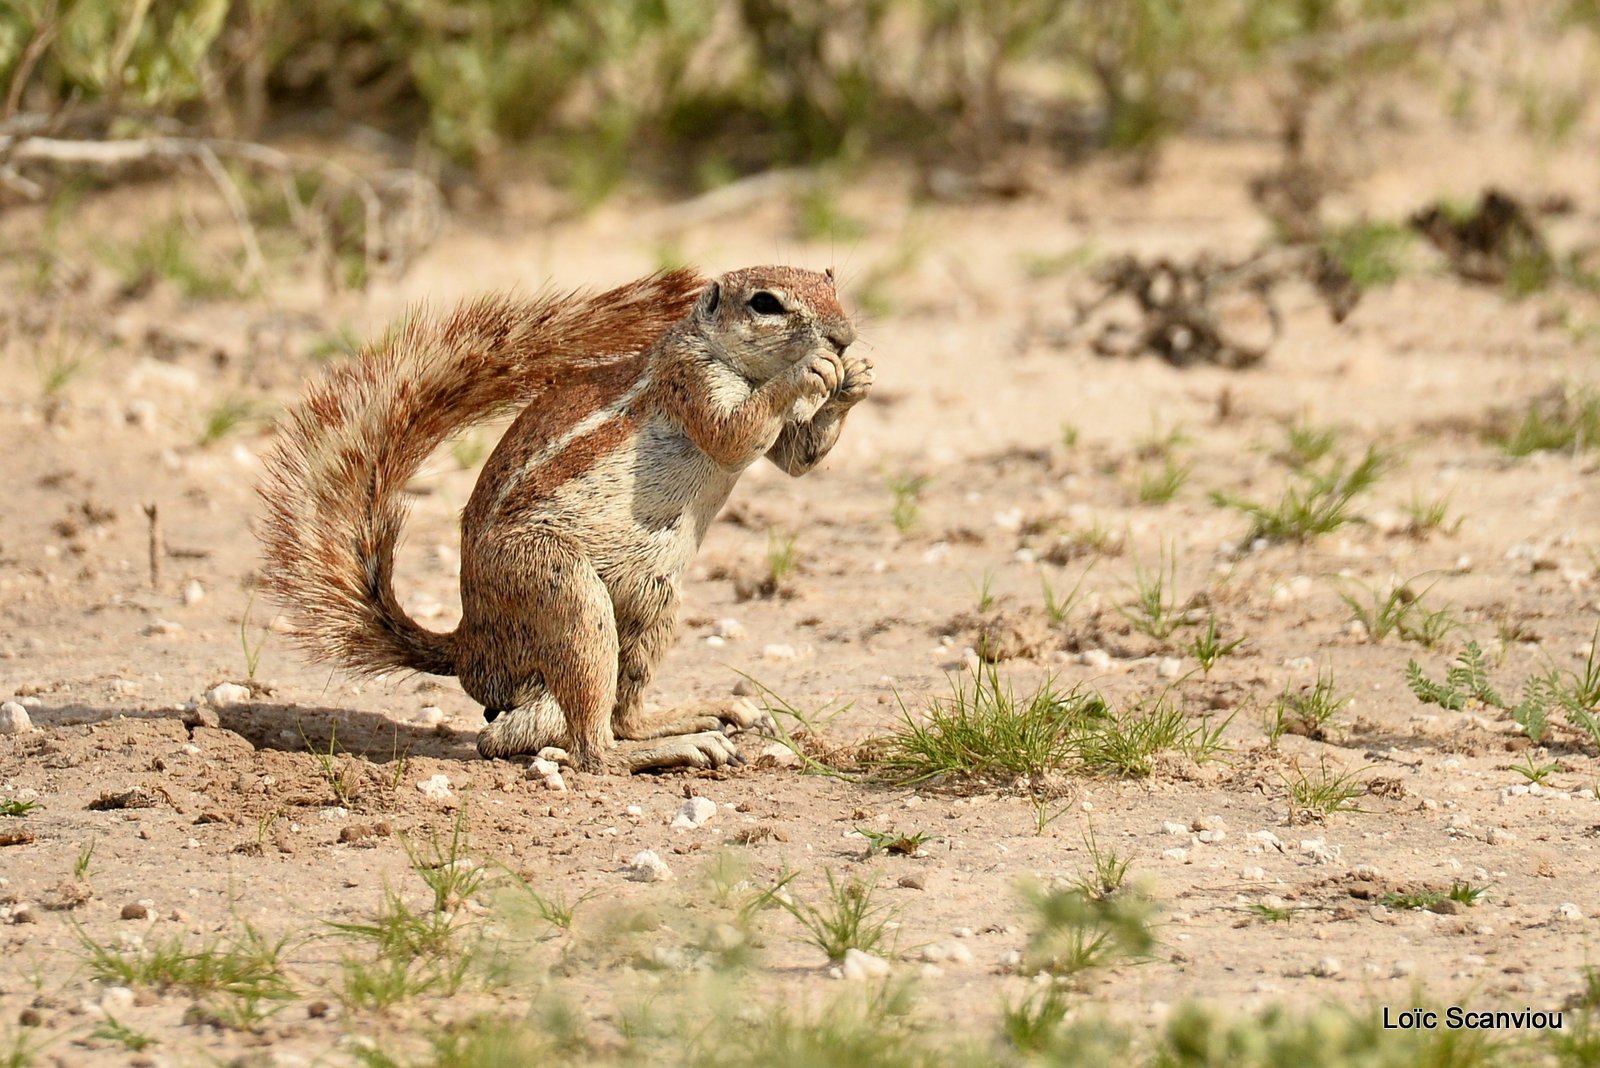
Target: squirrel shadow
x,y
289,728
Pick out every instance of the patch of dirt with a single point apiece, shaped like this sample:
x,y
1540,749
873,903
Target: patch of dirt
x,y
303,803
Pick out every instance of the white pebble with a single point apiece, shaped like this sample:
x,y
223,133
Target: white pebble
x,y
695,811
1253,874
163,628
781,755
1320,851
1567,912
1500,836
1098,659
1402,968
1173,827
1179,855
193,592
859,965
436,787
224,694
728,628
428,716
1170,667
1326,968
115,999
778,651
940,952
549,772
14,719
648,867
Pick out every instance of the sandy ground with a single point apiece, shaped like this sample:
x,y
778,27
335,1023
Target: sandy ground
x,y
978,371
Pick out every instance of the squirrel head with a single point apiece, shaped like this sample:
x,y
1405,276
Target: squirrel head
x,y
763,320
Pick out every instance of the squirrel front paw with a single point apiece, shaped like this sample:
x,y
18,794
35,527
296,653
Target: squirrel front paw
x,y
824,374
857,382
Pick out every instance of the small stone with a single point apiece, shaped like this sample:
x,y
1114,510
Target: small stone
x,y
163,628
1170,667
1461,821
782,755
1179,855
193,592
14,719
114,999
728,629
1567,912
744,688
778,651
1253,874
859,965
134,910
224,694
647,867
436,787
30,1017
1402,968
1011,958
1212,837
1319,851
548,772
1097,659
1500,836
1326,968
1174,827
940,952
911,882
695,811
1208,823
428,716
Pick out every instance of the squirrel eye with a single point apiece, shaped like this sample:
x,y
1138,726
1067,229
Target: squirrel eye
x,y
765,303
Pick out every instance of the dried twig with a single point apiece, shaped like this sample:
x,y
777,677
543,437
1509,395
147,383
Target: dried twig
x,y
157,544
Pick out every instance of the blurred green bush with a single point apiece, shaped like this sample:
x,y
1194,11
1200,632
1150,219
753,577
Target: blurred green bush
x,y
607,86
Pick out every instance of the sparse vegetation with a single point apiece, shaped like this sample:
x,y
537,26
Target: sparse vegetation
x,y
1154,610
1306,710
14,808
1059,609
985,733
907,493
1208,646
1576,694
228,415
1305,443
1076,931
1462,893
1316,795
1569,421
847,919
1372,253
1398,610
1318,502
1158,485
782,556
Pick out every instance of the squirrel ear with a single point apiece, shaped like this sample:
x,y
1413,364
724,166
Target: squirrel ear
x,y
710,301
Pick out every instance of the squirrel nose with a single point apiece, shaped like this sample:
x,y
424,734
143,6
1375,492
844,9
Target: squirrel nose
x,y
840,336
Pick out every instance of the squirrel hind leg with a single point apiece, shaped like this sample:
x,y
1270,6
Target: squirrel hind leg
x,y
538,628
523,731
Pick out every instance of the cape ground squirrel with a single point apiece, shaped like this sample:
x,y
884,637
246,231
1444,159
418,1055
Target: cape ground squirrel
x,y
643,405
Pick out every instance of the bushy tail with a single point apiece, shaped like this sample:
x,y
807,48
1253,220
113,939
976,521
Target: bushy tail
x,y
344,454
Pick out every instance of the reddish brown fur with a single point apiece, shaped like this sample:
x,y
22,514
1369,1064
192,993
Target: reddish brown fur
x,y
332,484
